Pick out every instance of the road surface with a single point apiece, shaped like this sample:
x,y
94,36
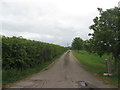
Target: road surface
x,y
66,72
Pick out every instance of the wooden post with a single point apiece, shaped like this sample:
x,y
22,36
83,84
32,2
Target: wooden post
x,y
106,70
109,65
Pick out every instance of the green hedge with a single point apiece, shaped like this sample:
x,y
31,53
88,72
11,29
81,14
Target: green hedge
x,y
21,53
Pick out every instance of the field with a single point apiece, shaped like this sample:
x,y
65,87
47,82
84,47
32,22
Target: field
x,y
96,65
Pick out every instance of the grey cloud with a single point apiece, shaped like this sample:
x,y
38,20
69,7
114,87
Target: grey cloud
x,y
46,21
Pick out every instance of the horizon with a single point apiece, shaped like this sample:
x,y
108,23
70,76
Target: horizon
x,y
52,21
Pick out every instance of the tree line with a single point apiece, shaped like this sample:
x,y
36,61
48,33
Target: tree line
x,y
20,53
106,35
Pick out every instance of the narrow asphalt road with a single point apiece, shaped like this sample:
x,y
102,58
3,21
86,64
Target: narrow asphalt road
x,y
64,73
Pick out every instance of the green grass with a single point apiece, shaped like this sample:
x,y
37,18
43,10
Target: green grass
x,y
10,76
96,65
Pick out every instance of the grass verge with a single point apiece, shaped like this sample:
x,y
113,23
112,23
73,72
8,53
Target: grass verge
x,y
96,65
10,76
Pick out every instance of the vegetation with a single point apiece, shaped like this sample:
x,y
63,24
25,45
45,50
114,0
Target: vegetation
x,y
77,44
21,55
106,34
96,65
105,40
14,75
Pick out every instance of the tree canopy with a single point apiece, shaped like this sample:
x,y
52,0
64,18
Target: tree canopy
x,y
77,43
106,36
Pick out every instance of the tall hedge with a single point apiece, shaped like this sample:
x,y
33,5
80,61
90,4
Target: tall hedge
x,y
21,53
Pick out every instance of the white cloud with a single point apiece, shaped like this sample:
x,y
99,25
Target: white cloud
x,y
35,35
53,21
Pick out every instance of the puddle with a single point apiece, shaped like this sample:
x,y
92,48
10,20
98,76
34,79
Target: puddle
x,y
84,84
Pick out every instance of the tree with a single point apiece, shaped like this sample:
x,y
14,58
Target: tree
x,y
88,45
106,36
77,43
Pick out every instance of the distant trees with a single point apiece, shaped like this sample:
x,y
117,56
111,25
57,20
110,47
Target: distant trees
x,y
80,44
106,36
77,44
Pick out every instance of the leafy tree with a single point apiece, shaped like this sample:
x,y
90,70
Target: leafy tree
x,y
77,44
88,44
106,36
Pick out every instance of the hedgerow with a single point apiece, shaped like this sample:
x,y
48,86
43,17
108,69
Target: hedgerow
x,y
21,53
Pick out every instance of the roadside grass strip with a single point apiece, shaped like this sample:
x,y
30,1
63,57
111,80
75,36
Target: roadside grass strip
x,y
96,65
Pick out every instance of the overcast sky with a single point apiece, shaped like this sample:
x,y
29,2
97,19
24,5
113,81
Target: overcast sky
x,y
52,21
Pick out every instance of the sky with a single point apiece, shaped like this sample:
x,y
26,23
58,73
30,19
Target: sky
x,y
51,21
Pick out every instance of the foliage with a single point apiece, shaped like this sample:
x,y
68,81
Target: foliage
x,y
106,36
15,74
21,53
77,44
